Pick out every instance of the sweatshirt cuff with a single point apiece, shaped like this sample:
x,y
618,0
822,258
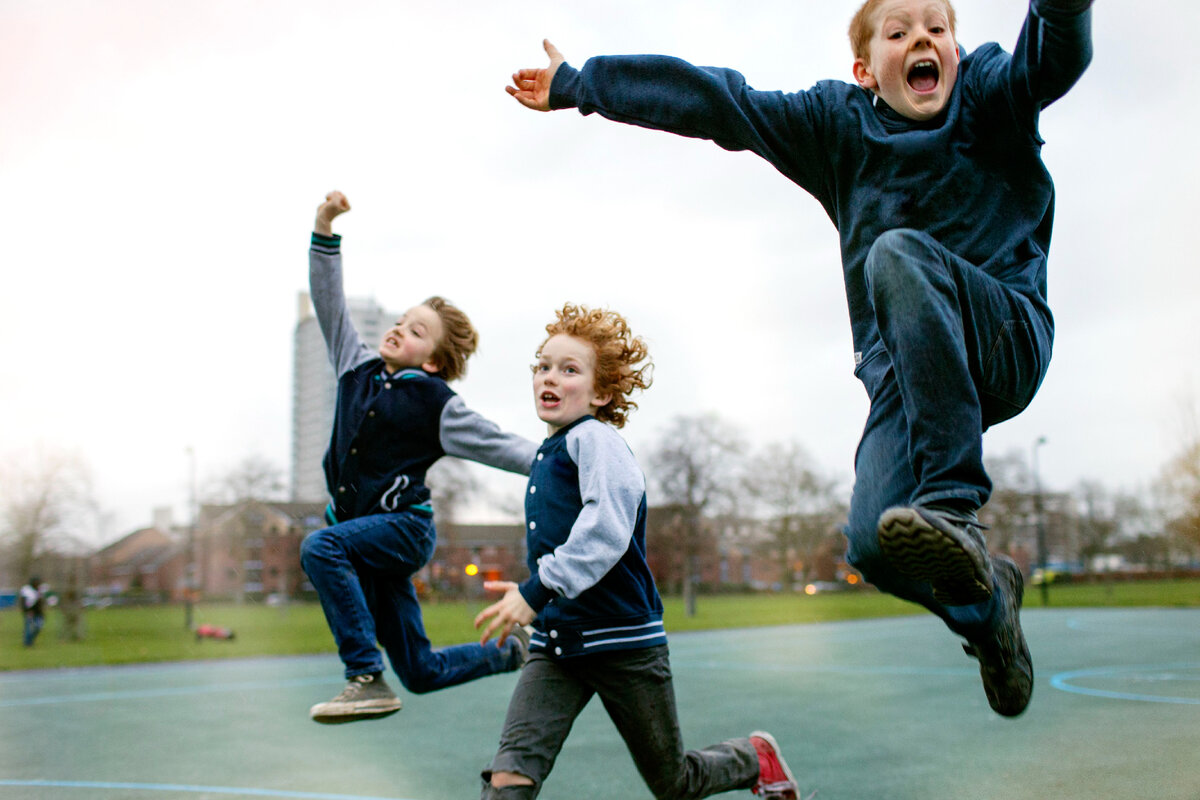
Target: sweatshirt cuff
x,y
564,88
1063,8
330,245
535,593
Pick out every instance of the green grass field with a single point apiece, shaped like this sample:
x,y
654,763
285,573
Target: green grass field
x,y
121,635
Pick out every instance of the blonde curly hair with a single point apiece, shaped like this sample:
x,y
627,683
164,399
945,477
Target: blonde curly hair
x,y
618,353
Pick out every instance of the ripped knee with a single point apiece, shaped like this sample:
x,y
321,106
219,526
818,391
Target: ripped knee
x,y
507,786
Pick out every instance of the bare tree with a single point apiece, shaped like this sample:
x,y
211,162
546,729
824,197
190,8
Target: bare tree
x,y
1009,513
47,507
453,485
1097,523
694,466
1178,485
255,477
801,504
1180,491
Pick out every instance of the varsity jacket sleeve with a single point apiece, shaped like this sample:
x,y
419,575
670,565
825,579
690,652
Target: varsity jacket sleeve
x,y
611,486
668,94
467,434
346,348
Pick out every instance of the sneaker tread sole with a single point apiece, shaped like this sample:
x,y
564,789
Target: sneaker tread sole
x,y
335,713
919,550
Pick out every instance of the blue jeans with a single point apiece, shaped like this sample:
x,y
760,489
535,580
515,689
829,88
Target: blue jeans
x,y
362,570
959,351
33,626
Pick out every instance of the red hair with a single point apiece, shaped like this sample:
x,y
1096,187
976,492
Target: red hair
x,y
618,352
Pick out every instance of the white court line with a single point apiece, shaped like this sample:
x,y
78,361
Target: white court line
x,y
173,787
137,694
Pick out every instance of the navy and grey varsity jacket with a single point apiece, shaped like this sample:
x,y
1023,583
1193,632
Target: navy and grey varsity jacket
x,y
390,428
585,516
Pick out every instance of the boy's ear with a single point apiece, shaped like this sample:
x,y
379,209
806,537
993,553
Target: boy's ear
x,y
864,75
432,366
602,400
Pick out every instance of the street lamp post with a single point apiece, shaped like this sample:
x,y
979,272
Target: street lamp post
x,y
189,570
1040,518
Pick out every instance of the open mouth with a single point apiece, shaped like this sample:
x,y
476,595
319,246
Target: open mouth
x,y
923,76
549,398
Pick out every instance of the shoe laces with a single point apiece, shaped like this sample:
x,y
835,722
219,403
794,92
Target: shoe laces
x,y
956,516
356,686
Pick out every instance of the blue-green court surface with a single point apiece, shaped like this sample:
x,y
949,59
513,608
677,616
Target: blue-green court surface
x,y
887,708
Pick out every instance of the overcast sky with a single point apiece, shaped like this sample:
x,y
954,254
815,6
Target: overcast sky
x,y
160,164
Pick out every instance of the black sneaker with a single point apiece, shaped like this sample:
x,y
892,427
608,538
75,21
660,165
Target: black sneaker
x,y
940,546
1004,661
365,697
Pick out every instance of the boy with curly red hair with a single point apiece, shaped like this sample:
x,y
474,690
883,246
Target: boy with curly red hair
x,y
595,611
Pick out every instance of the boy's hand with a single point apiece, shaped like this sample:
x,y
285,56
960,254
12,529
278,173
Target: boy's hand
x,y
509,611
335,203
531,87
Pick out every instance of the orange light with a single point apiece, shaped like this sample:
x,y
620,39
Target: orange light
x,y
851,579
810,589
471,570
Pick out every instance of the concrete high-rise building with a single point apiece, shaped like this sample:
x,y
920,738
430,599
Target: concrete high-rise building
x,y
314,390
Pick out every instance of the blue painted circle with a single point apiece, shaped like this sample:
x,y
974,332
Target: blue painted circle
x,y
1063,681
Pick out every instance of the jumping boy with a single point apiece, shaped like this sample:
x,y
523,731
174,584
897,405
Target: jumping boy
x,y
930,168
395,417
595,610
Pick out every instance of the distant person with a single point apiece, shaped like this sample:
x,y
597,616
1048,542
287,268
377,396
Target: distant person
x,y
595,611
206,631
930,167
32,600
395,417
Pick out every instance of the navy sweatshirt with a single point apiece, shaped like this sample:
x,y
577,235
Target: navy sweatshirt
x,y
390,428
972,177
585,515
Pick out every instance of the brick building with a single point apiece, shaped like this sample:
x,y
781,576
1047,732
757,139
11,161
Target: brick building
x,y
150,562
251,550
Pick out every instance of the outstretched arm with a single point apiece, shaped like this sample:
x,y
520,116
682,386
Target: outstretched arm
x,y
345,346
467,434
669,94
531,87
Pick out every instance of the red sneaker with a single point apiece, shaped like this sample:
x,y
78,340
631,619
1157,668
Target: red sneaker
x,y
775,780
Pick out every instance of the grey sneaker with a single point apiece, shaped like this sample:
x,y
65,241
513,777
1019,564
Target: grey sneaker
x,y
365,697
942,547
775,780
1004,661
